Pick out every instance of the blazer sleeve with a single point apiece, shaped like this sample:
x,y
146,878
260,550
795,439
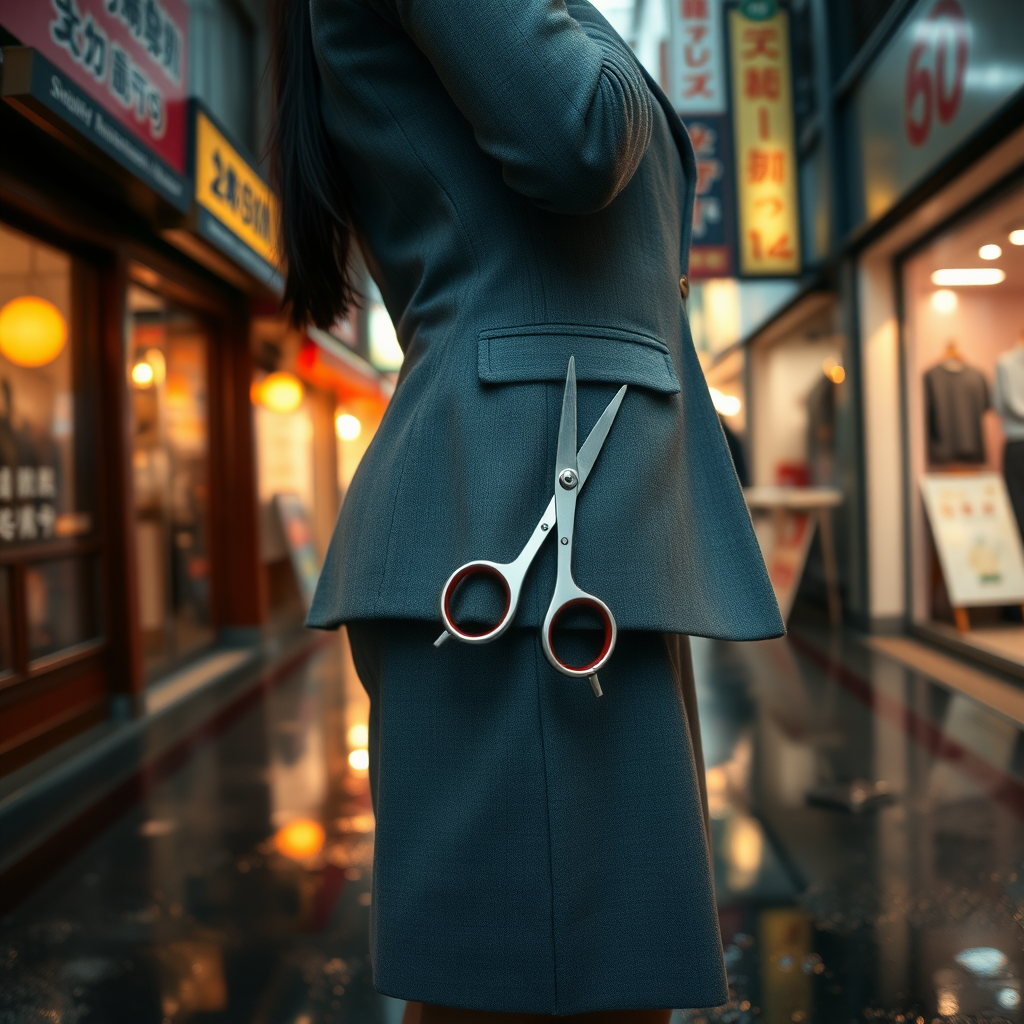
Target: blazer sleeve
x,y
558,100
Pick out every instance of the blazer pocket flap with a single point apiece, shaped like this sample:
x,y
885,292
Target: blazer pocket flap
x,y
540,352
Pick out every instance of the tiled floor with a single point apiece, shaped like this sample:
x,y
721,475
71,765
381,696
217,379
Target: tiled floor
x,y
217,898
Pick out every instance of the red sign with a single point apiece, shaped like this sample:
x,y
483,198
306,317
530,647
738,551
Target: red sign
x,y
936,71
128,55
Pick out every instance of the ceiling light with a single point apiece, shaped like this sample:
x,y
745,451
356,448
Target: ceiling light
x,y
990,252
944,301
984,961
964,277
32,331
1017,237
142,374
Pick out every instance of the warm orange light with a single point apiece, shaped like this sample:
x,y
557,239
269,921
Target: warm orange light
x,y
833,370
300,839
32,331
358,735
142,374
359,759
347,426
280,392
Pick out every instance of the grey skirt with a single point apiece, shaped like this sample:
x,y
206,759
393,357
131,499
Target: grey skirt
x,y
538,850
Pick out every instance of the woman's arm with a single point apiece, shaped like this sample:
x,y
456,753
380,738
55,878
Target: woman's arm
x,y
560,103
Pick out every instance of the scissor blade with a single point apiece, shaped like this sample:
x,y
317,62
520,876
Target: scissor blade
x,y
595,439
565,454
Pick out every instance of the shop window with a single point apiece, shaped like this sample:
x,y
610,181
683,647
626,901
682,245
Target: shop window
x,y
964,347
61,602
167,369
49,580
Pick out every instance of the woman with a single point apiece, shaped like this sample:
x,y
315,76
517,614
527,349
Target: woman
x,y
521,192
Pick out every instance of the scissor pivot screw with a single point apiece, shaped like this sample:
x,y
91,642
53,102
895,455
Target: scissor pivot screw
x,y
544,526
565,540
568,479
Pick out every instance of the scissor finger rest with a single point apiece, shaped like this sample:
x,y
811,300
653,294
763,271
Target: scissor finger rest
x,y
603,612
489,570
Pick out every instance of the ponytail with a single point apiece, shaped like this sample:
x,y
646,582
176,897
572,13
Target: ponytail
x,y
307,174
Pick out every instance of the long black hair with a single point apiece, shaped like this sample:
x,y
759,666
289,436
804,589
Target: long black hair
x,y
308,176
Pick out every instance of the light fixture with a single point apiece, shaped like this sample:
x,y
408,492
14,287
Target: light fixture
x,y
279,392
727,405
32,331
358,735
1017,237
359,759
347,426
990,252
984,961
300,839
964,277
156,359
944,301
142,374
833,370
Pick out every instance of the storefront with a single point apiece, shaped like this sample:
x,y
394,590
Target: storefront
x,y
137,253
940,280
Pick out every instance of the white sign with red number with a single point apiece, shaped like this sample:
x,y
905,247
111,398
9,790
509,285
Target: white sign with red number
x,y
949,68
696,65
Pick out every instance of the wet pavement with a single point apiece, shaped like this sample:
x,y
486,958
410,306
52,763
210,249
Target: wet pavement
x,y
869,858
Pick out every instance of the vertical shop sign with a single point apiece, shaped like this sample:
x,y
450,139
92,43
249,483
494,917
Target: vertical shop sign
x,y
699,92
129,57
769,230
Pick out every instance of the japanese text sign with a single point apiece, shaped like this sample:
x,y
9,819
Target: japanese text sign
x,y
696,65
230,191
769,225
698,89
129,56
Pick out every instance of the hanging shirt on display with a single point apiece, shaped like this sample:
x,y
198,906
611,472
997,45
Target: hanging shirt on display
x,y
956,397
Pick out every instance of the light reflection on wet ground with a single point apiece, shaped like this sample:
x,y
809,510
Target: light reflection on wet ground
x,y
239,890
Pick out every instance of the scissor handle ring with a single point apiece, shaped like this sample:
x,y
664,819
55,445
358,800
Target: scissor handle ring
x,y
480,568
607,647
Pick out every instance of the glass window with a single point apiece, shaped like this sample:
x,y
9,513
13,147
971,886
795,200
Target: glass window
x,y
44,494
6,640
167,370
963,296
47,470
61,602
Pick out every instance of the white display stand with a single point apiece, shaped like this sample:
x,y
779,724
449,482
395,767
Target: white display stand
x,y
977,540
784,521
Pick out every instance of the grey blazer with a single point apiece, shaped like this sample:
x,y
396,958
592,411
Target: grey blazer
x,y
523,192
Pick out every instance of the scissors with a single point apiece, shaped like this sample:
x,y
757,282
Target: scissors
x,y
571,471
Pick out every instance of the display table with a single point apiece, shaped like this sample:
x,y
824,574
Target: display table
x,y
784,520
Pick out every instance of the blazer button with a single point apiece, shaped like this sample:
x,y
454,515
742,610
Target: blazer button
x,y
684,287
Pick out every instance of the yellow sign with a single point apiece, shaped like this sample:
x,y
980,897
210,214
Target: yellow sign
x,y
769,217
229,189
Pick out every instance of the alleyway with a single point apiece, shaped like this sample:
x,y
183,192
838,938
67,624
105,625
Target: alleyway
x,y
216,896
